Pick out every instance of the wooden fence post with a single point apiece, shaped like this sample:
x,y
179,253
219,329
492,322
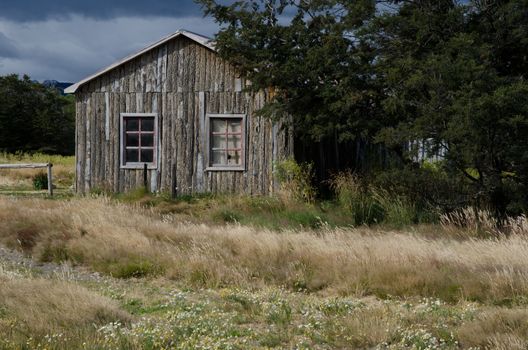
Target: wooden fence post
x,y
33,166
145,177
50,180
174,183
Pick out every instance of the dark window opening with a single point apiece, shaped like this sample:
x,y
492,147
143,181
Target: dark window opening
x,y
139,140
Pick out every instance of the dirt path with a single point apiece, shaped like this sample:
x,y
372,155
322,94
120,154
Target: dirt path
x,y
15,260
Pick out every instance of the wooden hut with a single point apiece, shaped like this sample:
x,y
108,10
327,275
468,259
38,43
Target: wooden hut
x,y
180,111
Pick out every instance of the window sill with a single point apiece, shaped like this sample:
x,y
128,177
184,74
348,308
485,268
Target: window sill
x,y
225,168
139,166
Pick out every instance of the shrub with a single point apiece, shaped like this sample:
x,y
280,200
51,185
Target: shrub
x,y
370,204
54,252
354,196
296,180
428,187
397,209
40,181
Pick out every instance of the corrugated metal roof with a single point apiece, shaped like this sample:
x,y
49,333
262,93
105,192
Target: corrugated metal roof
x,y
200,39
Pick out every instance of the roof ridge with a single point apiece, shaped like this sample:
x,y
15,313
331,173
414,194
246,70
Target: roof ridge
x,y
183,30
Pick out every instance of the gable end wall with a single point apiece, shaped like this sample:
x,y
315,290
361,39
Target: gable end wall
x,y
181,81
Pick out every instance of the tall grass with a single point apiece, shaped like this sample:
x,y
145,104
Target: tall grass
x,y
269,289
354,197
296,180
369,205
37,307
127,242
482,223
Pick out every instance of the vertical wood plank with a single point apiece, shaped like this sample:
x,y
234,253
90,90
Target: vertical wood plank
x,y
50,180
200,143
87,169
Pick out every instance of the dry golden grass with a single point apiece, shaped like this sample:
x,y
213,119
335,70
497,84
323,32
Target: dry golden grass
x,y
343,267
6,180
472,222
124,241
497,329
63,169
37,307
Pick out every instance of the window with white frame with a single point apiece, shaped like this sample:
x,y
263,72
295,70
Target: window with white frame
x,y
227,134
139,139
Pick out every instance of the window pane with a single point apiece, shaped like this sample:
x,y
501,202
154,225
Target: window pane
x,y
234,158
234,141
219,157
219,141
132,155
131,124
147,140
218,125
147,155
235,125
132,140
147,124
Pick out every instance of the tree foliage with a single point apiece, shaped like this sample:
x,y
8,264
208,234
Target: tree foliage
x,y
446,71
34,117
452,78
314,61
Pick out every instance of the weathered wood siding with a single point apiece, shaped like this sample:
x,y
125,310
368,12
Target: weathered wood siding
x,y
181,81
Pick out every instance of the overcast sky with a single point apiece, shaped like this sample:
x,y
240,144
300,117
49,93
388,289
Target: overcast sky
x,y
67,40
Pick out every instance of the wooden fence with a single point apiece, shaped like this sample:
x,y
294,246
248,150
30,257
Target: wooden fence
x,y
33,166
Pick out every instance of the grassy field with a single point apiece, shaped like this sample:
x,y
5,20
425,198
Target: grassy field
x,y
167,283
20,181
138,271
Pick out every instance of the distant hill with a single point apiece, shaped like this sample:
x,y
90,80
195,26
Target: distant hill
x,y
57,85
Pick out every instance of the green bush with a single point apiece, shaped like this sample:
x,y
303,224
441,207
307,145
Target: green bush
x,y
398,211
369,202
40,181
296,180
55,252
354,196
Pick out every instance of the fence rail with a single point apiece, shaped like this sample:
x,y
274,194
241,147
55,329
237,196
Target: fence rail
x,y
33,166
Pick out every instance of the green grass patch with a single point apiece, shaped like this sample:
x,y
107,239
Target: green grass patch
x,y
133,267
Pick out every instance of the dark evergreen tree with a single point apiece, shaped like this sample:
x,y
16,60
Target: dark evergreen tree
x,y
34,117
452,79
448,72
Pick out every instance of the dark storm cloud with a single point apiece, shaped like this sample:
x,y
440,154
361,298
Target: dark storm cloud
x,y
71,49
67,40
8,48
41,10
